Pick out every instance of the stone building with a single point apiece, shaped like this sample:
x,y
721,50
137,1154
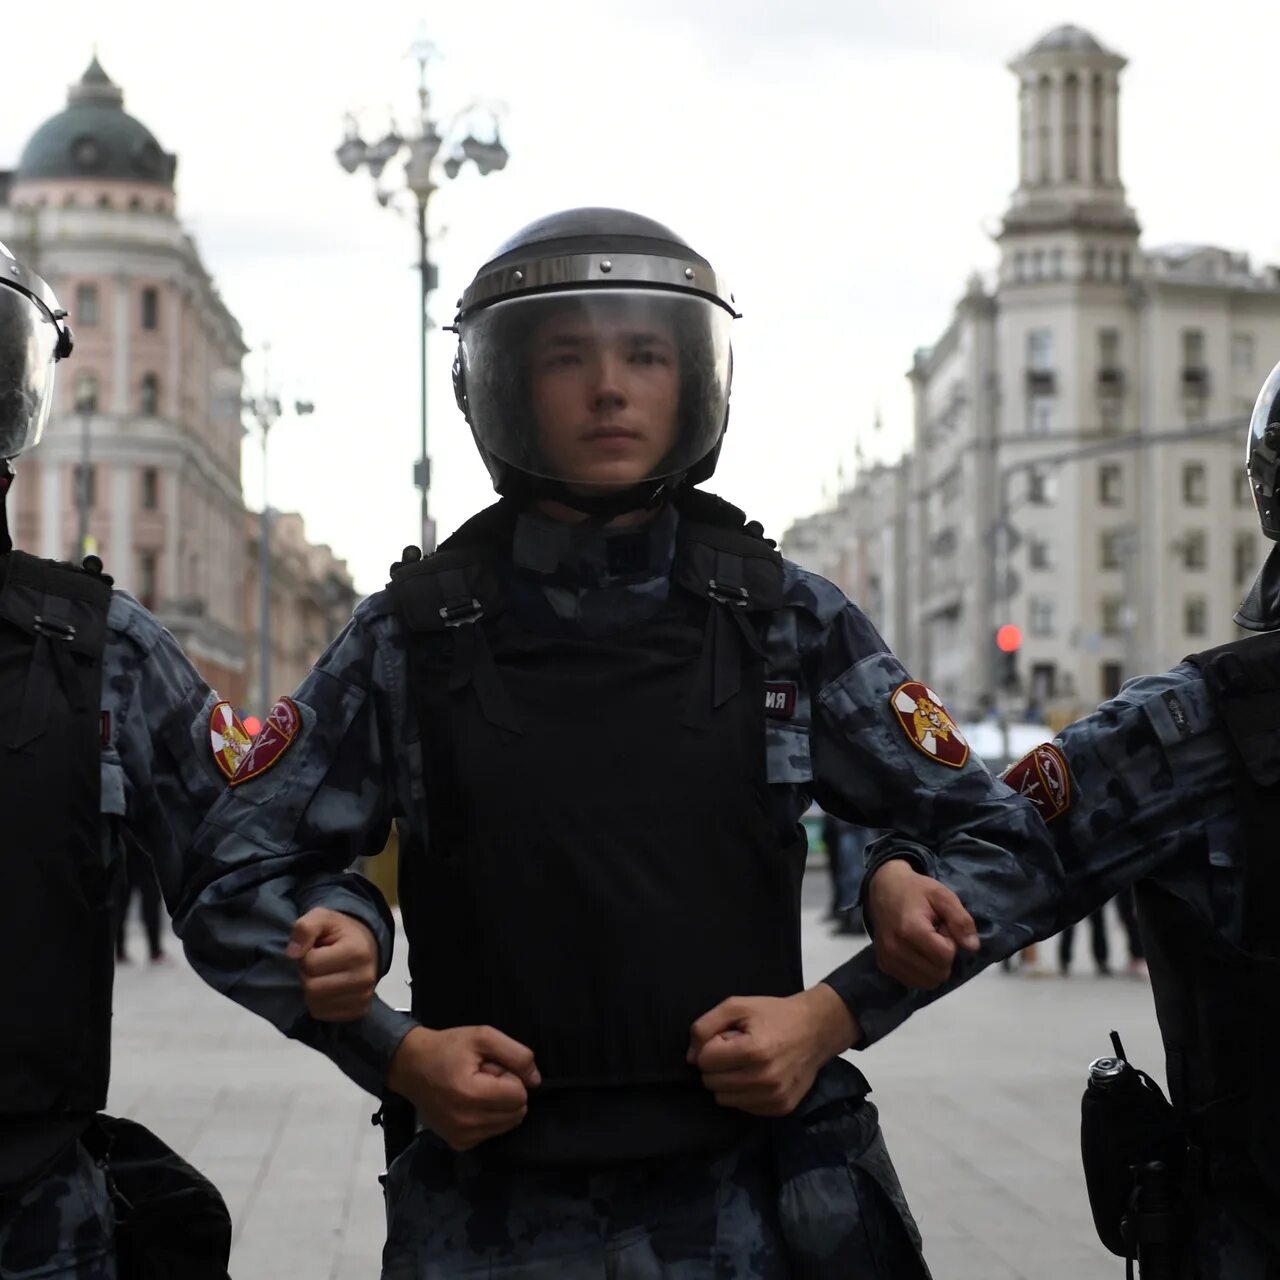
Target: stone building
x,y
1076,461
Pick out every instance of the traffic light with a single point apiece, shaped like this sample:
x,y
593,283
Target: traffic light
x,y
1008,640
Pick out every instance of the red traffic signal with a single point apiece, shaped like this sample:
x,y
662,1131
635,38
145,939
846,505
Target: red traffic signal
x,y
1009,638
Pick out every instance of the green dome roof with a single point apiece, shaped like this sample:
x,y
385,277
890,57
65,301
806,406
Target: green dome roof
x,y
94,137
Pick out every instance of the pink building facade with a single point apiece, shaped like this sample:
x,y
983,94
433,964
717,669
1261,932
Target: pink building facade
x,y
152,392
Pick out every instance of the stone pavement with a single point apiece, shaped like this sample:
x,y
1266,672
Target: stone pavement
x,y
979,1098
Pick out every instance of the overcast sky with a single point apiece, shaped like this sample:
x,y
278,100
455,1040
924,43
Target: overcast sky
x,y
842,161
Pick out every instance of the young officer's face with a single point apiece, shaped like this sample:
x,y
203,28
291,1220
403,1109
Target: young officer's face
x,y
605,389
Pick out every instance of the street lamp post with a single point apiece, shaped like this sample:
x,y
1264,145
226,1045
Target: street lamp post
x,y
422,149
266,411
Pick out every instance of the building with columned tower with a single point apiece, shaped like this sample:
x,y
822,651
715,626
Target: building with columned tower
x,y
151,395
1076,460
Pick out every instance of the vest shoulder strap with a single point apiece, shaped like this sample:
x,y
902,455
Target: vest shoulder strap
x,y
724,557
60,601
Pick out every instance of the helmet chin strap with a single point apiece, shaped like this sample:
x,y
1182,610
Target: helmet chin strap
x,y
6,481
638,497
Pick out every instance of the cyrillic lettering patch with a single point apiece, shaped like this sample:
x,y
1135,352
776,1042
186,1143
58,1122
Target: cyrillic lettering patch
x,y
274,738
228,738
1177,713
928,725
1043,778
780,699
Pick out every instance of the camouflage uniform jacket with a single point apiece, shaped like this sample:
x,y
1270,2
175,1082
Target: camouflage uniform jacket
x,y
357,762
1149,795
159,778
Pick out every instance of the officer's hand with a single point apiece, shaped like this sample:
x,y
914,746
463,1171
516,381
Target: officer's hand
x,y
917,923
761,1053
337,959
468,1083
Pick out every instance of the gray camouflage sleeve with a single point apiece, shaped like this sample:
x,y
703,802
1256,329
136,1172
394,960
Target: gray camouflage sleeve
x,y
269,842
1125,793
886,754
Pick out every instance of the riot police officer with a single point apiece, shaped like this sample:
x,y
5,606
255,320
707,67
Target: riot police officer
x,y
1173,787
598,714
106,731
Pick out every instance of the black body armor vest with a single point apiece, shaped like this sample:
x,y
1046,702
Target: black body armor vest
x,y
56,945
601,869
1218,1003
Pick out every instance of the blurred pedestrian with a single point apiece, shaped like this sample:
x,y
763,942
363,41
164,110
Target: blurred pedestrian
x,y
140,882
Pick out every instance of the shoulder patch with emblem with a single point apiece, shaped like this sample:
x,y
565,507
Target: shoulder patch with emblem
x,y
1042,777
928,725
228,738
780,699
274,738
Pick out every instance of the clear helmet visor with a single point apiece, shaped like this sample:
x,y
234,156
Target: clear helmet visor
x,y
28,339
1262,454
598,388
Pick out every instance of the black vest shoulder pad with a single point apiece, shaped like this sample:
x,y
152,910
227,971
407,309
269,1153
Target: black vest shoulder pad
x,y
725,557
27,581
1243,678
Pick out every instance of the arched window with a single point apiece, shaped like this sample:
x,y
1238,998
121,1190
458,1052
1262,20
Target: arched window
x,y
1095,115
1071,127
149,396
1045,115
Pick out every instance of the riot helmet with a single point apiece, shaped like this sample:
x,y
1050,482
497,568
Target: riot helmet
x,y
594,363
33,336
1260,610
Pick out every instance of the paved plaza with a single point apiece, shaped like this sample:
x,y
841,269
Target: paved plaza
x,y
979,1098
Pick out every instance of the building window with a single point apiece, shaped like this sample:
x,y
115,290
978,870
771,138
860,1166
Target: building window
x,y
1112,549
1111,616
1195,615
1195,549
1044,681
150,489
149,396
1090,262
1195,377
1245,556
1243,489
84,482
1055,260
1040,350
1242,352
1039,416
86,393
1107,260
150,308
1019,266
1110,484
1040,553
86,305
1040,488
147,579
1109,348
1195,484
1040,615
1124,266
1111,676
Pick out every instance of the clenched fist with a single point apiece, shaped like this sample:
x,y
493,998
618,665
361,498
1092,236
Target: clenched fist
x,y
337,959
467,1083
918,925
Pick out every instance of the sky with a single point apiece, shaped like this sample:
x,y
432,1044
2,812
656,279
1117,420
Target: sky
x,y
842,162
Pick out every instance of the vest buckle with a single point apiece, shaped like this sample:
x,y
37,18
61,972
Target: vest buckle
x,y
54,629
463,613
738,597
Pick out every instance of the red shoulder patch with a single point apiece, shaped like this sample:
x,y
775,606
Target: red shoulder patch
x,y
274,738
1043,778
228,739
928,725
